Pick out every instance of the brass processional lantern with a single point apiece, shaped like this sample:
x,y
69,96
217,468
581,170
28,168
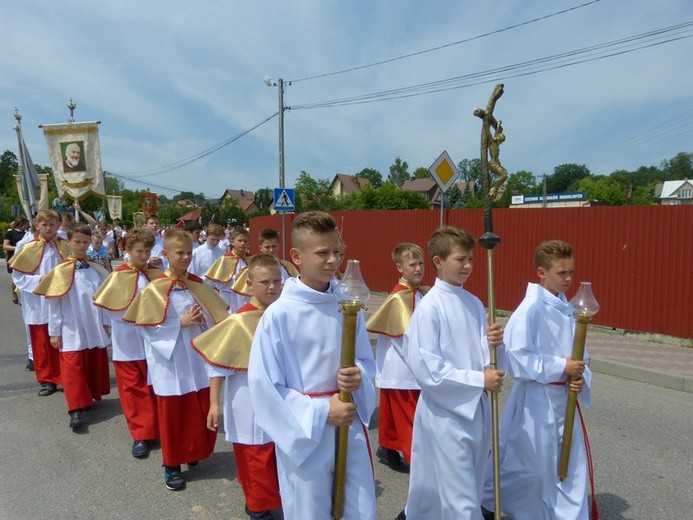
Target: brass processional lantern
x,y
584,307
352,294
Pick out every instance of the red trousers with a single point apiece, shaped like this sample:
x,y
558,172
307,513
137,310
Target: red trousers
x,y
257,474
46,358
183,427
137,399
85,376
396,419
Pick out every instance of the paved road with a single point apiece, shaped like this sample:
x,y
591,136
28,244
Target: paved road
x,y
640,433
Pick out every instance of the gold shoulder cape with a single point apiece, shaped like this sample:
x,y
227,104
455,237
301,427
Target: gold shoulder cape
x,y
224,267
30,255
59,280
392,318
240,286
150,306
227,345
120,288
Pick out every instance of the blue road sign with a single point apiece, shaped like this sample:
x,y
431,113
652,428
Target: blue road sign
x,y
284,199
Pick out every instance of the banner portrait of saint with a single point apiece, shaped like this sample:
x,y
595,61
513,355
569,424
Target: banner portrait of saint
x,y
75,157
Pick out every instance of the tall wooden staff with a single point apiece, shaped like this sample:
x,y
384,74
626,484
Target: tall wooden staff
x,y
490,150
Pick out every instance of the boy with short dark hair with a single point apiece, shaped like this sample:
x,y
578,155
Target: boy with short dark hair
x,y
269,243
399,390
539,340
115,296
169,312
226,348
225,270
446,348
205,255
34,260
295,376
77,329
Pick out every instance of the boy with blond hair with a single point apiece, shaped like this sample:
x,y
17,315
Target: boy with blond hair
x,y
34,260
294,376
115,296
77,329
399,390
226,348
98,252
539,340
225,270
169,312
447,349
206,254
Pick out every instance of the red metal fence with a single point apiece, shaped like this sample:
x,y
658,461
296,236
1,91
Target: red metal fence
x,y
638,258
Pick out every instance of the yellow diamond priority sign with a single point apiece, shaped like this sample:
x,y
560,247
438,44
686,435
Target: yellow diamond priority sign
x,y
444,171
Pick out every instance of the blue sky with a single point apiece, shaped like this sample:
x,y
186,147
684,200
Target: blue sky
x,y
174,78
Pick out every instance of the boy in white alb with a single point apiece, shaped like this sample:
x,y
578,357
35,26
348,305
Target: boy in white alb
x,y
226,348
115,296
447,349
399,391
539,341
77,329
269,243
295,376
31,261
169,312
206,254
225,270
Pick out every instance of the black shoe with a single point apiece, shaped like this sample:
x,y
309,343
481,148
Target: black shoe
x,y
401,516
29,365
47,389
488,515
173,478
140,449
392,459
76,421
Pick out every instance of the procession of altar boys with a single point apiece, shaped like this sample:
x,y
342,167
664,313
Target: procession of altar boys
x,y
189,321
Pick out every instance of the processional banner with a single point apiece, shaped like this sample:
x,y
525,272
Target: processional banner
x,y
75,157
115,206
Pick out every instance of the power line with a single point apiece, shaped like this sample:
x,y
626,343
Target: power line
x,y
525,68
152,185
444,46
188,160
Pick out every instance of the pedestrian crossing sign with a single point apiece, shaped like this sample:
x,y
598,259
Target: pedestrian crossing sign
x,y
284,199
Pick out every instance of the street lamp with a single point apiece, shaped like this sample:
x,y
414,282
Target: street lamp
x,y
280,84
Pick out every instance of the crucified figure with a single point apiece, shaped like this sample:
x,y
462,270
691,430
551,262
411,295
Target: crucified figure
x,y
490,144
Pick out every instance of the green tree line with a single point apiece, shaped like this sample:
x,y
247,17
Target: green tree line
x,y
621,187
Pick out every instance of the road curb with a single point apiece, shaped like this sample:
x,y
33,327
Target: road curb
x,y
673,381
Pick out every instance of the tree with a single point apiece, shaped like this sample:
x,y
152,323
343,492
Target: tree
x,y
8,169
387,196
603,189
314,194
470,170
373,176
264,197
398,172
519,183
421,173
566,177
678,167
